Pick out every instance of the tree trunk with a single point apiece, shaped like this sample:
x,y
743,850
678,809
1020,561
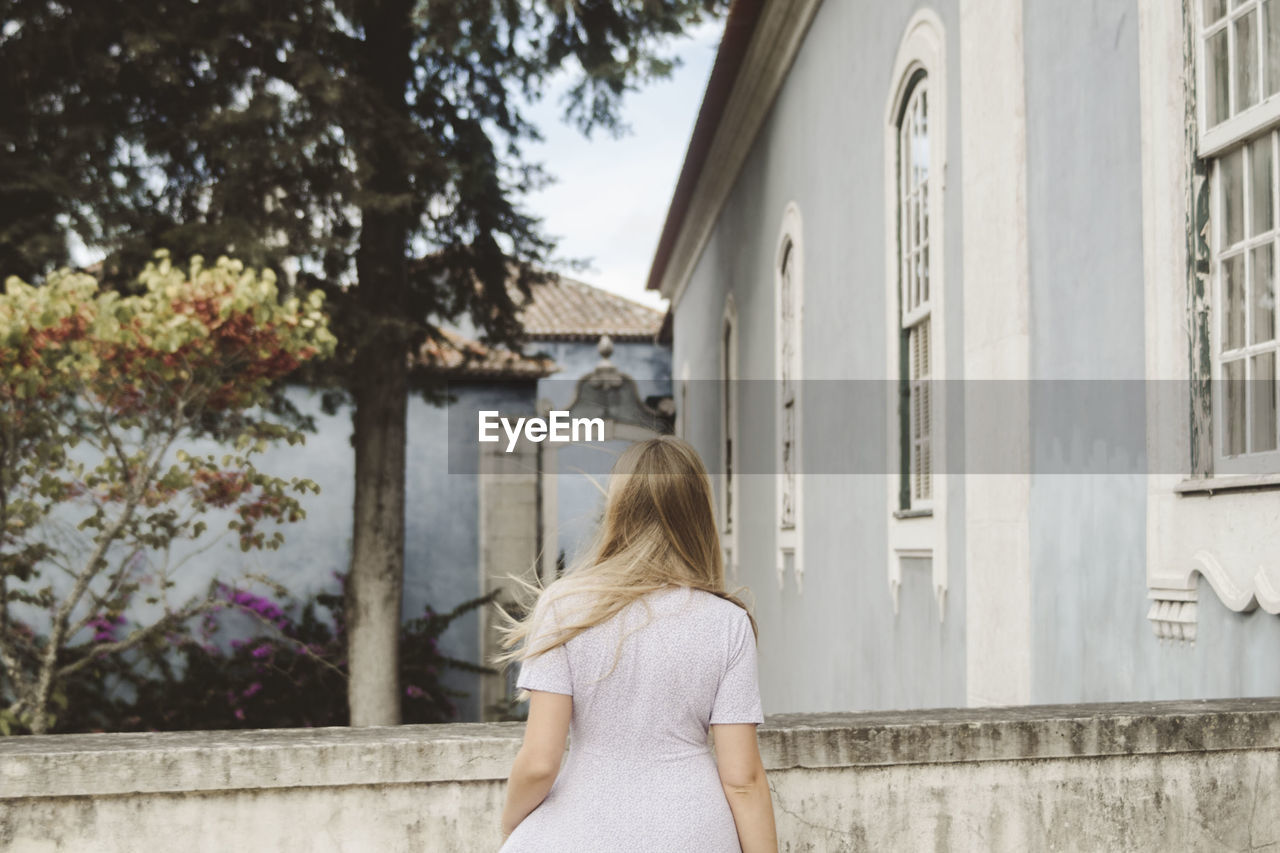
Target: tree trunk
x,y
375,584
380,386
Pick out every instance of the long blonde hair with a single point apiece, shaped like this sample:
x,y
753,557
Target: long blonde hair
x,y
658,531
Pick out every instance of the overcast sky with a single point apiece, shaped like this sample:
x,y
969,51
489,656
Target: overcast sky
x,y
611,195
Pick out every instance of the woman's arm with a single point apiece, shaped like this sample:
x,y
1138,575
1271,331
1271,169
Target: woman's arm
x,y
745,787
538,761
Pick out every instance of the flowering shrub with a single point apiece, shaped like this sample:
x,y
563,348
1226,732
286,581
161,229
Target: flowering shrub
x,y
289,671
97,393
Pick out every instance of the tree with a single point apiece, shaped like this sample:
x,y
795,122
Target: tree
x,y
376,145
98,393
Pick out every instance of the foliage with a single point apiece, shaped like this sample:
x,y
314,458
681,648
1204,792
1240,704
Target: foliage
x,y
288,671
277,131
377,147
97,391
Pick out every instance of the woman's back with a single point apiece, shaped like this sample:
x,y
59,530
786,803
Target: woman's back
x,y
646,684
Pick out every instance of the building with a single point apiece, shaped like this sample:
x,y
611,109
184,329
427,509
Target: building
x,y
1068,207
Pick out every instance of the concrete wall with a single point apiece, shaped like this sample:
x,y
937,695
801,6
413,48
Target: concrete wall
x,y
1088,531
1175,776
836,645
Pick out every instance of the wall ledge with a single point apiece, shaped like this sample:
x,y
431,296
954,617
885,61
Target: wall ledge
x,y
168,762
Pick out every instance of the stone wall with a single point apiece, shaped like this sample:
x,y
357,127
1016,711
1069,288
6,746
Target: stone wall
x,y
1140,777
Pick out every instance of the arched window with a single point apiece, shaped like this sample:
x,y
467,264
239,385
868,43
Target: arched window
x,y
915,305
729,437
789,280
915,152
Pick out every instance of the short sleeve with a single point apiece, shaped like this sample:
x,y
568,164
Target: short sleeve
x,y
548,671
738,696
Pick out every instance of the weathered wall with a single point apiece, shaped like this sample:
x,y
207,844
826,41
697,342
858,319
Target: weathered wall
x,y
1091,639
836,645
1171,776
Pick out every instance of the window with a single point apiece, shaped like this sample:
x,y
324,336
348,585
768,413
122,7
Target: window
x,y
916,491
729,437
1239,104
789,281
915,153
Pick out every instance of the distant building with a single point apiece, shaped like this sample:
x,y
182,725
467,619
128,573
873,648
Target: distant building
x,y
469,522
913,193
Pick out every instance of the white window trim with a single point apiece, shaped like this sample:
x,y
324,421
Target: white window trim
x,y
790,541
729,490
1227,536
1257,463
1237,128
923,47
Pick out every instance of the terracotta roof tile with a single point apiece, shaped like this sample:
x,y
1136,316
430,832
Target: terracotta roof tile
x,y
459,356
569,310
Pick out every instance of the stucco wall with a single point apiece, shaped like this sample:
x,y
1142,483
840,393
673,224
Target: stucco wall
x,y
441,535
837,645
1176,776
1091,639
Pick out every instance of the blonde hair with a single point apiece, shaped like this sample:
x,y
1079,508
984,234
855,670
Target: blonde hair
x,y
658,531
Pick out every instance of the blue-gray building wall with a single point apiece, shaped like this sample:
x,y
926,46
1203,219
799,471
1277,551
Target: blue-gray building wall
x,y
837,644
1091,639
441,517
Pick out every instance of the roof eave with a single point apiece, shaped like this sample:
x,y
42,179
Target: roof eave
x,y
761,40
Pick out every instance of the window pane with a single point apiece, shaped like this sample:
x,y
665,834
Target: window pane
x,y
1215,78
1262,297
1262,390
1233,303
1246,63
1233,407
1271,29
924,270
1260,185
1213,10
1232,166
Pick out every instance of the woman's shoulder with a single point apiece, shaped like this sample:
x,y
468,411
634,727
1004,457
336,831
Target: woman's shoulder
x,y
715,607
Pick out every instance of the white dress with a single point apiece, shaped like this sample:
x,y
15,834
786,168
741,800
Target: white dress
x,y
639,774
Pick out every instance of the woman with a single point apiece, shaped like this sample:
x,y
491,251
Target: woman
x,y
639,651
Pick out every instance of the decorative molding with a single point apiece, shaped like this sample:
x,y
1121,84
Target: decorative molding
x,y
1173,617
774,45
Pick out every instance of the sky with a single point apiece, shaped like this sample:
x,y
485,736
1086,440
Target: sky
x,y
610,197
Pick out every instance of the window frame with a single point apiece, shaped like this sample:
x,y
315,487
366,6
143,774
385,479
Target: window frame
x,y
789,537
730,444
915,310
1236,128
919,533
1237,134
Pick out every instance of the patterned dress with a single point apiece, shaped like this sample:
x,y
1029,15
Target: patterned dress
x,y
645,685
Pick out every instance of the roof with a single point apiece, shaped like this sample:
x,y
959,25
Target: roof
x,y
563,309
459,356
